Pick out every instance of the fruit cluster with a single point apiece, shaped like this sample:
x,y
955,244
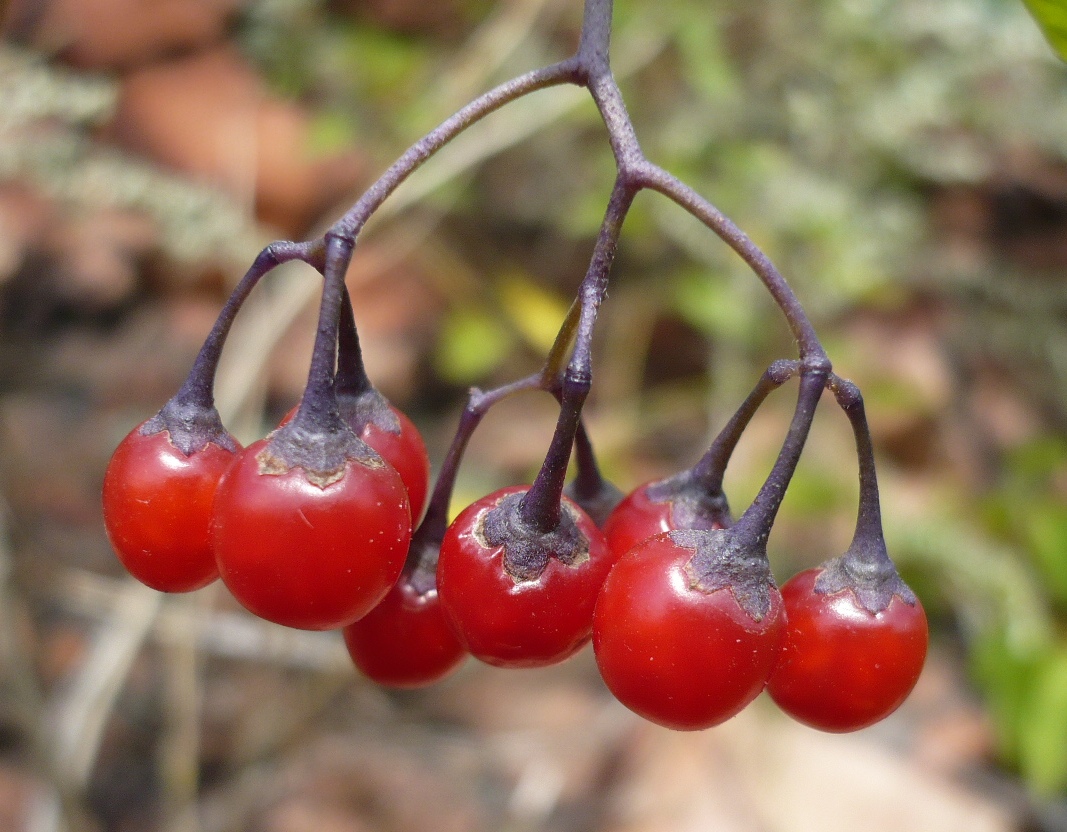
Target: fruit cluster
x,y
325,523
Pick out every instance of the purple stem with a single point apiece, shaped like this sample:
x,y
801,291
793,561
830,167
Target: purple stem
x,y
869,519
757,520
353,221
352,376
541,507
318,406
711,467
199,386
478,404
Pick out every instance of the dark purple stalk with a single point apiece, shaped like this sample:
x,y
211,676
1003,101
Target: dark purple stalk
x,y
755,524
199,386
318,406
565,72
426,541
711,467
541,507
352,379
190,416
866,568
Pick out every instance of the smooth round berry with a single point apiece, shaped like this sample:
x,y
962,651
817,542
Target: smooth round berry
x,y
305,555
640,516
406,452
636,519
677,655
510,621
157,509
842,667
405,641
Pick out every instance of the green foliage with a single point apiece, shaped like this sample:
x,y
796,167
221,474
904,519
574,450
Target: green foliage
x,y
1052,16
1043,732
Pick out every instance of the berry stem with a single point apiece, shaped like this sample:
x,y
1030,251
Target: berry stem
x,y
318,409
812,354
352,376
479,402
198,388
758,518
588,481
541,507
564,72
869,519
711,467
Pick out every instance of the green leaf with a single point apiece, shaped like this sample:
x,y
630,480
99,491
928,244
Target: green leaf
x,y
1043,739
1004,672
1051,15
534,311
1046,530
471,344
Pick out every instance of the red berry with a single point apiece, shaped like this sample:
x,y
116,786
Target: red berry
x,y
311,556
639,516
405,641
842,667
157,509
510,621
636,519
677,655
405,451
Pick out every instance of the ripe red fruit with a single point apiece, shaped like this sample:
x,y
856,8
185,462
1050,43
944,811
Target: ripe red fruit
x,y
676,654
404,450
307,555
405,641
636,519
843,667
157,509
511,621
680,502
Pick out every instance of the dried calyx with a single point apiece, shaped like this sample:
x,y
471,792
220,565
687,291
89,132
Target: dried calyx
x,y
723,559
528,549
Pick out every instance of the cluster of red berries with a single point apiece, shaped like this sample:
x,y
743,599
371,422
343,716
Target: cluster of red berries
x,y
318,525
312,527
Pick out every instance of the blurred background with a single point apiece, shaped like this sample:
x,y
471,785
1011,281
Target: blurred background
x,y
904,163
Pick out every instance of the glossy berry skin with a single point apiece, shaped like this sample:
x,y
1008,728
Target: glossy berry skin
x,y
157,510
843,668
405,451
511,623
680,657
637,518
405,641
306,556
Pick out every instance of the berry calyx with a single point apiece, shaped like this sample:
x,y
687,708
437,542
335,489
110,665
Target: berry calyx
x,y
312,548
679,502
393,435
692,499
